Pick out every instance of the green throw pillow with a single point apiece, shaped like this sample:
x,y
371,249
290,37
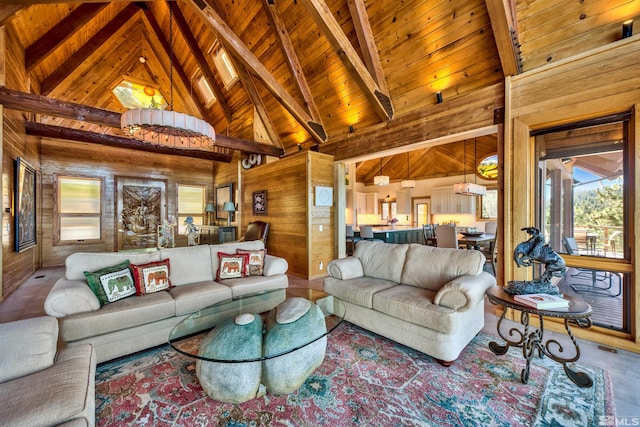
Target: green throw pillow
x,y
110,284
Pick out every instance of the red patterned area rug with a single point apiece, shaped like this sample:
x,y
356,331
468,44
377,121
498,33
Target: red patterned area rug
x,y
365,380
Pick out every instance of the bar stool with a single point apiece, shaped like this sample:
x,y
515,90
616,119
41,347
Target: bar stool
x,y
351,240
366,233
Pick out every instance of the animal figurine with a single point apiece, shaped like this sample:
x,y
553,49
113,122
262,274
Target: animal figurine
x,y
536,250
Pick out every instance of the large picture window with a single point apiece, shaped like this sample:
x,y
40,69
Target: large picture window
x,y
191,202
79,209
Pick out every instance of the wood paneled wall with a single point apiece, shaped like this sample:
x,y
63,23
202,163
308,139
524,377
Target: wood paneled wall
x,y
595,84
89,160
293,218
16,267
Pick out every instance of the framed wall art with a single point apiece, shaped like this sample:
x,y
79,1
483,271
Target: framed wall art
x,y
224,193
24,186
260,202
141,205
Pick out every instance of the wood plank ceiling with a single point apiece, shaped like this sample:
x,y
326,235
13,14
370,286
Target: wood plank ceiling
x,y
311,71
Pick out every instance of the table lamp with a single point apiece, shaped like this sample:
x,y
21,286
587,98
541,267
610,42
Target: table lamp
x,y
209,209
230,208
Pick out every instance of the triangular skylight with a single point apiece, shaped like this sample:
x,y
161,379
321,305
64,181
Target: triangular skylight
x,y
135,95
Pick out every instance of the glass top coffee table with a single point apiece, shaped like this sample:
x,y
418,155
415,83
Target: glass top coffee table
x,y
250,345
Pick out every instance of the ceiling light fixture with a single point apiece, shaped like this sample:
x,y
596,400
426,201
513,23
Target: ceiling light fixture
x,y
381,180
167,127
408,183
469,188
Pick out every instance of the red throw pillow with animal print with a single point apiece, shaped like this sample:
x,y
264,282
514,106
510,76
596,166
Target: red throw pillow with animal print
x,y
151,277
232,266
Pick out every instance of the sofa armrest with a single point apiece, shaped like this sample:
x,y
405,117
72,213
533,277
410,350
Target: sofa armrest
x,y
28,346
70,297
464,292
346,268
274,265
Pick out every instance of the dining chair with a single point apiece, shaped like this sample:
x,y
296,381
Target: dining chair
x,y
351,239
491,227
366,233
428,233
447,236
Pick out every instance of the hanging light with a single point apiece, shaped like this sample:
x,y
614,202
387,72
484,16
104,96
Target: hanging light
x,y
381,179
469,188
408,183
167,127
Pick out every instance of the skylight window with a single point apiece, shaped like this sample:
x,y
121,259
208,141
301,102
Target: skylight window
x,y
136,94
224,66
205,90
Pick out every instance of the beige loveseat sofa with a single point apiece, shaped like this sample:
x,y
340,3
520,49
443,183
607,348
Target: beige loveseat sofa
x,y
430,299
42,387
139,322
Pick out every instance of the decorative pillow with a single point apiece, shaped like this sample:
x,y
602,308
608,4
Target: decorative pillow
x,y
256,260
232,266
151,277
110,284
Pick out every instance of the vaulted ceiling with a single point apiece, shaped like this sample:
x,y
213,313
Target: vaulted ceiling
x,y
311,71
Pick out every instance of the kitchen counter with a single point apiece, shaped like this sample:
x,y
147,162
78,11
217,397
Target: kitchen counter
x,y
397,234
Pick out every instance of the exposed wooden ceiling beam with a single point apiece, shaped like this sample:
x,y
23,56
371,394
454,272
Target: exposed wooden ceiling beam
x,y
21,101
331,29
8,11
16,100
213,20
291,58
505,32
252,91
367,42
56,36
60,73
196,51
48,131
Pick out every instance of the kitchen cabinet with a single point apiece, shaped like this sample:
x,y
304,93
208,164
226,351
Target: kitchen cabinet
x,y
403,199
445,201
367,203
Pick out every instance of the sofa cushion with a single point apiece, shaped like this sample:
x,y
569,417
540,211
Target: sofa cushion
x,y
111,284
358,291
232,266
431,268
345,268
230,248
255,284
126,313
151,277
196,296
76,264
415,305
256,260
189,264
381,260
28,346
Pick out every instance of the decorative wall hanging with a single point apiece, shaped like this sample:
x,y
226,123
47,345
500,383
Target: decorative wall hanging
x,y
260,202
324,196
24,186
141,205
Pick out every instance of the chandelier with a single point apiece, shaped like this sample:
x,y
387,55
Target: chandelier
x,y
381,180
408,183
168,128
469,188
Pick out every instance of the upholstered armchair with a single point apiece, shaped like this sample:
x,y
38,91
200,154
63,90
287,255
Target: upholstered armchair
x,y
40,386
257,230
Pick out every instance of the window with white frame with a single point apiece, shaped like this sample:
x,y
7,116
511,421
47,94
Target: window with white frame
x,y
191,203
204,89
79,209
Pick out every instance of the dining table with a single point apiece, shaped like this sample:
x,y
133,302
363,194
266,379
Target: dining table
x,y
468,240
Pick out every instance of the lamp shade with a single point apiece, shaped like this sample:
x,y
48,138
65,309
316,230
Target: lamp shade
x,y
381,180
408,183
229,207
209,208
469,189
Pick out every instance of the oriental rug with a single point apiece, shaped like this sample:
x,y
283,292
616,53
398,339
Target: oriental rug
x,y
365,380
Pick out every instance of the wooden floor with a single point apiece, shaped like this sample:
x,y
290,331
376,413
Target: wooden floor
x,y
623,366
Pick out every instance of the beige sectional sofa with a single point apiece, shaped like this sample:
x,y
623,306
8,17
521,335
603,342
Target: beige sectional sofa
x,y
430,299
40,386
139,322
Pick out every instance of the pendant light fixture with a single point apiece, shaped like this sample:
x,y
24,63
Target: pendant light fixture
x,y
408,183
469,188
381,180
167,127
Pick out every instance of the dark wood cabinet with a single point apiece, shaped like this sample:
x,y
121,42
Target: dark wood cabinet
x,y
213,234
